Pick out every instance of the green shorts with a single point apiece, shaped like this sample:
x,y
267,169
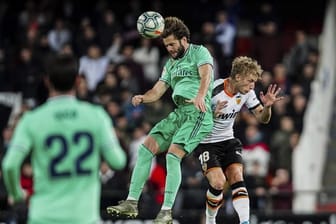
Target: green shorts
x,y
185,126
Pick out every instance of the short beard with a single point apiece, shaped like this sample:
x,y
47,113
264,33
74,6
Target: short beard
x,y
180,52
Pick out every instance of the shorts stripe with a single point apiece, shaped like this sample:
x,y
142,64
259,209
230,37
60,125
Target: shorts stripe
x,y
198,125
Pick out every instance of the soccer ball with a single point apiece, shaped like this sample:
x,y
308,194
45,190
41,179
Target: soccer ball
x,y
150,24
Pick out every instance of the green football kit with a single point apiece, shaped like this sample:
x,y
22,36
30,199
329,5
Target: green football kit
x,y
185,126
66,139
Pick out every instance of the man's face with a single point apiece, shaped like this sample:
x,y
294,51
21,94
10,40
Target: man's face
x,y
245,83
174,46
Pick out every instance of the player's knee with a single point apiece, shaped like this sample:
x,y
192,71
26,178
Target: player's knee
x,y
217,184
216,178
151,144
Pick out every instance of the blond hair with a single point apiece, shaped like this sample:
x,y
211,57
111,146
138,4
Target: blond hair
x,y
245,66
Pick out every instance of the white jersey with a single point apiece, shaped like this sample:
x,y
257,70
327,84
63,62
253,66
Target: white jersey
x,y
223,125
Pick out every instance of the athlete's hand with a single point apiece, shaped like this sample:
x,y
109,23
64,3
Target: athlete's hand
x,y
137,100
219,106
271,96
11,201
199,103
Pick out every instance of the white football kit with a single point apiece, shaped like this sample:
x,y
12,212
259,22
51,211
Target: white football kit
x,y
223,125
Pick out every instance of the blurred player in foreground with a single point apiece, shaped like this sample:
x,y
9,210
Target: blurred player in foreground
x,y
220,153
66,139
189,72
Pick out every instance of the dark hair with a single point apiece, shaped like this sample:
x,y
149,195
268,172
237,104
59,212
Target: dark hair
x,y
62,72
175,26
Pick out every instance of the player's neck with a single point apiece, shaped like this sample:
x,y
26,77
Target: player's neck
x,y
230,87
54,93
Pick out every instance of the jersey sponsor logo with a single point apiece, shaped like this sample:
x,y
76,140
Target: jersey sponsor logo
x,y
229,115
182,73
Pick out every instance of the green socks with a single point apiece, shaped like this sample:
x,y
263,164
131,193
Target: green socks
x,y
140,172
173,180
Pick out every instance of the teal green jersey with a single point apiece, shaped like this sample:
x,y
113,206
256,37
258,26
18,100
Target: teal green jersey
x,y
182,74
66,139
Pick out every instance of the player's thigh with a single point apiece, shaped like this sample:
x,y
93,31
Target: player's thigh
x,y
230,152
207,157
164,131
193,129
234,173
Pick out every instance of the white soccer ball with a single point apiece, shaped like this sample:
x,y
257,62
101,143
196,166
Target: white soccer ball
x,y
150,24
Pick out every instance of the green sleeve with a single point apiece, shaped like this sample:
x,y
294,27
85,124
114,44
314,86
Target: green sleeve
x,y
203,56
111,150
165,75
16,153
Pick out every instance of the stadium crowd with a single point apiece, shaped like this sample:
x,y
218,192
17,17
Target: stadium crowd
x,y
115,63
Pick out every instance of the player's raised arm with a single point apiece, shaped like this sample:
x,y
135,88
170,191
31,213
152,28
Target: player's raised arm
x,y
264,113
151,95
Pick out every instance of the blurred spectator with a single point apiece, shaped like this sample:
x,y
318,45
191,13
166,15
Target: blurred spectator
x,y
267,47
7,133
266,80
82,90
281,191
257,187
111,84
107,28
157,180
281,149
86,37
225,36
265,15
193,184
113,109
59,35
113,52
298,55
307,76
280,77
127,79
134,115
26,178
296,110
207,37
138,138
4,77
255,150
114,184
27,74
93,66
148,56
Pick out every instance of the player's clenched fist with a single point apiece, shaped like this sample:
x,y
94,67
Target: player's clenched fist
x,y
136,100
